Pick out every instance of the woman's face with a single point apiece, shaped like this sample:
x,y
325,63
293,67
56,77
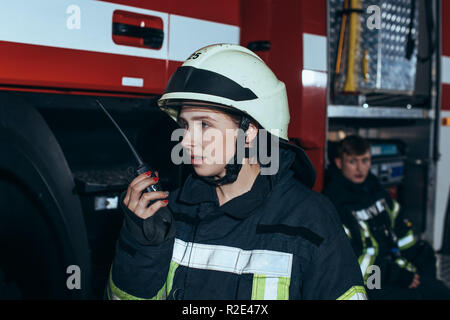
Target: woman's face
x,y
210,139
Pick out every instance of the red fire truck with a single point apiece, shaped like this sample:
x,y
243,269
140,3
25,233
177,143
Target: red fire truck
x,y
63,164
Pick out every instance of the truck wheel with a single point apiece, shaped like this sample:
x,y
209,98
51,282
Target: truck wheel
x,y
42,230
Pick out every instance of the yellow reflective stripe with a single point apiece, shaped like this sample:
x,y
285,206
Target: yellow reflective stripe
x,y
258,288
114,293
354,293
369,253
363,257
373,256
347,232
407,241
364,263
172,268
270,288
403,263
162,293
283,288
118,294
108,290
393,213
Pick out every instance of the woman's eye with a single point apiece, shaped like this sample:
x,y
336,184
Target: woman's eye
x,y
205,124
183,124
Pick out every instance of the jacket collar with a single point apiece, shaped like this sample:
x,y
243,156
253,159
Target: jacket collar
x,y
196,191
369,185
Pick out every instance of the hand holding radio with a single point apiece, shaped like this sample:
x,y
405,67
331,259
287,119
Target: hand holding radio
x,y
144,196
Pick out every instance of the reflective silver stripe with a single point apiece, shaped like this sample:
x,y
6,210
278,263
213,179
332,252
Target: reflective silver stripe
x,y
232,259
114,297
347,231
358,296
365,228
367,260
362,215
400,262
369,253
405,240
396,208
271,288
111,295
354,293
365,263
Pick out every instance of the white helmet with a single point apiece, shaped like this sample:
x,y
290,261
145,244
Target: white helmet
x,y
234,77
231,75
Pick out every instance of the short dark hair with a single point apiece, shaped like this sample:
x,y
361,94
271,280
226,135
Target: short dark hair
x,y
353,145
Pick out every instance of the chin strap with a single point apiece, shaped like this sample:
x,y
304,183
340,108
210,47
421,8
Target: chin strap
x,y
233,168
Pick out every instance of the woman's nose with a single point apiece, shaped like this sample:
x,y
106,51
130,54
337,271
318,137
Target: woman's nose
x,y
188,140
191,140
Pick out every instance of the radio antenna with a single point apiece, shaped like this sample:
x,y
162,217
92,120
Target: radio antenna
x,y
136,155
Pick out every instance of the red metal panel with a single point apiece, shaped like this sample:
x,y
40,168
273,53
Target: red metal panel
x,y
283,23
74,92
445,97
172,67
445,27
256,24
307,104
32,65
314,15
69,69
311,126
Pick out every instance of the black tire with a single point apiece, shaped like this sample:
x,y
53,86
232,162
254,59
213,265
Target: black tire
x,y
42,230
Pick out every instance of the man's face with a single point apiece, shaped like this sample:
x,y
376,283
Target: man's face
x,y
354,167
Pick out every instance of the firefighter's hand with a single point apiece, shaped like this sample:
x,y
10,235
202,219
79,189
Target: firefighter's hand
x,y
415,283
137,202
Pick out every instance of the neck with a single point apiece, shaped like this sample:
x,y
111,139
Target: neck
x,y
243,183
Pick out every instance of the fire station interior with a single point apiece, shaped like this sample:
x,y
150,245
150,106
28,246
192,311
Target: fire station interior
x,y
67,212
390,99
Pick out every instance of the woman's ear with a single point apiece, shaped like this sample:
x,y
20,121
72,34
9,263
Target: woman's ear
x,y
338,162
251,133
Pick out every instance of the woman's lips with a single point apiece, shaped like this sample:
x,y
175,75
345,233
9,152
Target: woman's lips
x,y
196,160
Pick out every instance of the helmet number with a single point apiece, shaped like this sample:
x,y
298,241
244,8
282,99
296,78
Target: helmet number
x,y
194,55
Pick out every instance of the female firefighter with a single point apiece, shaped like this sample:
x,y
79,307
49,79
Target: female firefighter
x,y
241,226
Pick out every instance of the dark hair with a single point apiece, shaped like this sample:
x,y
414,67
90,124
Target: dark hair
x,y
353,145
